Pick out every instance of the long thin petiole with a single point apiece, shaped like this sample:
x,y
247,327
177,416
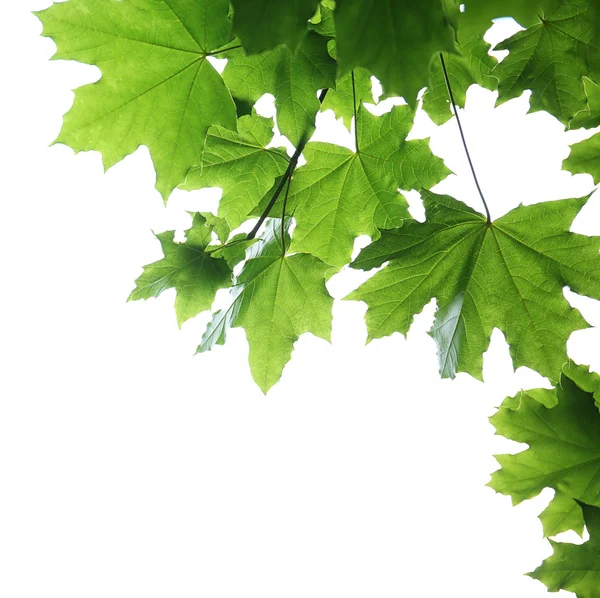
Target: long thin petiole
x,y
355,115
462,136
285,198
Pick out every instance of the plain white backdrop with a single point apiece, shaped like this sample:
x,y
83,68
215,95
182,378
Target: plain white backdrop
x,y
130,468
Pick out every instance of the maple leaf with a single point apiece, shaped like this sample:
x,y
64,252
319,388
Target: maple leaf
x,y
340,194
585,158
276,298
473,66
508,274
350,91
589,117
157,87
561,515
263,24
395,41
188,267
551,58
292,77
240,164
574,567
478,14
564,445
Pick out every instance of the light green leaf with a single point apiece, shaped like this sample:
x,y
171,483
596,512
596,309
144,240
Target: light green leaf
x,y
550,58
340,194
263,24
564,446
187,267
478,14
157,88
276,298
585,158
589,117
471,67
573,567
346,97
561,515
395,41
509,274
292,77
241,165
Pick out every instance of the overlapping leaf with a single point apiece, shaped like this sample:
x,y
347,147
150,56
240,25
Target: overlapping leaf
x,y
572,567
263,24
292,77
395,41
551,58
276,298
157,87
341,194
472,66
189,268
350,91
561,515
241,165
508,274
564,444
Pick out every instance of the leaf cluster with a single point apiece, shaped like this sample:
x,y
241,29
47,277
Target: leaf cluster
x,y
163,87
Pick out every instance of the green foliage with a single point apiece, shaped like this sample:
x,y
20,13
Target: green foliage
x,y
575,567
507,274
159,88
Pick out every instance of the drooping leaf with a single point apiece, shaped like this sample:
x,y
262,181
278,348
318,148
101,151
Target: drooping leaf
x,y
561,515
241,165
585,158
473,66
189,268
157,87
395,40
263,24
564,446
292,77
323,21
340,194
508,274
551,58
573,567
275,299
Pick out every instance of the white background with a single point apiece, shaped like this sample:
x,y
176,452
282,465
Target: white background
x,y
130,468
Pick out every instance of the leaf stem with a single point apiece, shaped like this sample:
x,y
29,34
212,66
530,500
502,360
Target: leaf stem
x,y
287,175
462,136
285,198
354,109
222,50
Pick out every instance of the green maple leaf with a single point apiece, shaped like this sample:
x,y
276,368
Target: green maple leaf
x,y
561,515
263,24
340,194
551,58
276,298
241,165
189,268
157,87
589,117
564,445
478,14
292,77
585,158
395,40
348,94
573,567
507,274
473,66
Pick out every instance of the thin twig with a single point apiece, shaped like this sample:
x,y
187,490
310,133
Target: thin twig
x,y
462,135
